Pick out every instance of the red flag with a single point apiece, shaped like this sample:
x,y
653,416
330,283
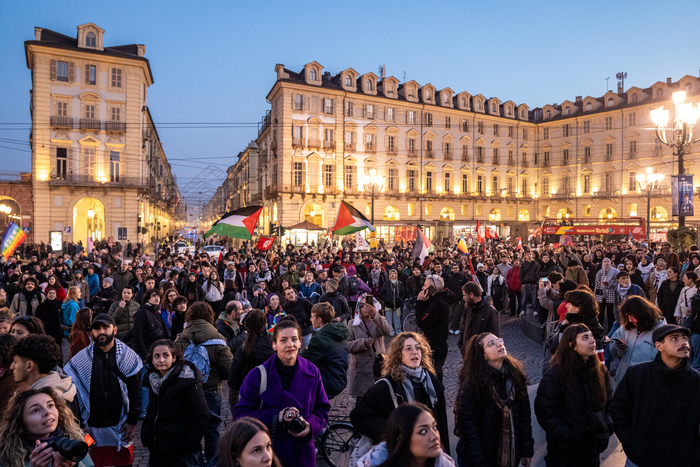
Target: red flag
x,y
265,243
491,233
480,237
520,243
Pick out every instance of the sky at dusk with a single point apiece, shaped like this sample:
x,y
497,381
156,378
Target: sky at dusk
x,y
213,62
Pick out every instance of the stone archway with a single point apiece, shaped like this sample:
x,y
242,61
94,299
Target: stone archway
x,y
89,220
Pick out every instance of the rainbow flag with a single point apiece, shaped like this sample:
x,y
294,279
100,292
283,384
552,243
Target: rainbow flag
x,y
462,245
14,236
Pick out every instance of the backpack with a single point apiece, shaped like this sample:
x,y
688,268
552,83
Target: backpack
x,y
197,354
353,286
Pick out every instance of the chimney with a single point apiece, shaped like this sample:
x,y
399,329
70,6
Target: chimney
x,y
141,50
669,80
37,34
579,98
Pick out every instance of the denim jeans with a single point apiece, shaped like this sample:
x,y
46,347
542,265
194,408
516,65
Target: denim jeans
x,y
144,393
529,297
695,345
305,341
393,316
211,436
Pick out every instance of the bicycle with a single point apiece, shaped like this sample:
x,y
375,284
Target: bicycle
x,y
408,323
337,442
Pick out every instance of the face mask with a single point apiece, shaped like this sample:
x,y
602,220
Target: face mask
x,y
393,281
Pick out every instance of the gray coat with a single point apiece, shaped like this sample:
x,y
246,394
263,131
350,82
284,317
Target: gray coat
x,y
360,374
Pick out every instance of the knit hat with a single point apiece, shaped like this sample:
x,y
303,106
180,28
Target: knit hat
x,y
108,280
333,284
480,265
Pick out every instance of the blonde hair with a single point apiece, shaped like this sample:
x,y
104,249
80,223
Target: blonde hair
x,y
72,293
12,428
393,361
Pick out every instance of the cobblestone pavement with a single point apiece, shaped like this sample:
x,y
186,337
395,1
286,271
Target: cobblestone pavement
x,y
519,346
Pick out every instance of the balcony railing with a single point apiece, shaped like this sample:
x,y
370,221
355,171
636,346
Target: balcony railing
x,y
633,155
412,153
545,163
90,124
496,161
603,194
448,155
511,162
314,143
465,157
61,122
561,196
523,163
329,145
350,147
565,162
392,150
115,127
370,147
298,142
429,154
93,180
479,159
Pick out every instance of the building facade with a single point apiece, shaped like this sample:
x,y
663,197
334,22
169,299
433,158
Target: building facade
x,y
99,170
446,159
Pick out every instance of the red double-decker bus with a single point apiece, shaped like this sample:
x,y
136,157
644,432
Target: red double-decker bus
x,y
575,230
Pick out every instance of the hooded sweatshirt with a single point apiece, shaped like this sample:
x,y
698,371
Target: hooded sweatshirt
x,y
60,382
328,350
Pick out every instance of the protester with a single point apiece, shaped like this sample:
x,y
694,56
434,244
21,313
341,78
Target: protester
x,y
573,401
255,350
605,285
337,301
69,309
247,443
123,313
479,314
309,289
492,410
8,385
290,379
80,333
683,310
177,413
668,293
433,316
392,295
49,313
300,309
408,374
26,302
655,410
25,326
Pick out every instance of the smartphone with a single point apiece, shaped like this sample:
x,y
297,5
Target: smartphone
x,y
545,280
369,299
431,289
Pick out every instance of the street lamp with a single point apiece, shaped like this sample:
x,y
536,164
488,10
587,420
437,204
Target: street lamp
x,y
684,117
648,183
372,184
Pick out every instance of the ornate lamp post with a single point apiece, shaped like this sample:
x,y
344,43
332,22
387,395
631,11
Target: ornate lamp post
x,y
648,183
684,117
372,184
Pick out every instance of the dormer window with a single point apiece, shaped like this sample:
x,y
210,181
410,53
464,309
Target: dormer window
x,y
611,102
548,114
312,75
444,98
589,106
464,102
427,95
368,85
659,93
567,111
508,111
522,113
634,98
90,40
478,105
493,108
348,80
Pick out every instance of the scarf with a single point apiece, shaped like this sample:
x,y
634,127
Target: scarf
x,y
506,443
645,270
623,291
375,276
610,274
659,278
420,376
156,380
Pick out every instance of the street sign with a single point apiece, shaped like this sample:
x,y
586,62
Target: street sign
x,y
26,230
25,223
66,229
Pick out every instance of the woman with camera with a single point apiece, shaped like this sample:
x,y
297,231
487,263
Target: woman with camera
x,y
177,413
39,430
573,402
287,395
407,376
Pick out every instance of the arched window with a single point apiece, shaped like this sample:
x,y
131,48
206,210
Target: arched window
x,y
659,93
524,215
464,102
368,85
426,95
589,106
90,40
508,111
611,102
444,98
478,105
493,108
348,80
390,214
312,75
495,215
567,110
522,113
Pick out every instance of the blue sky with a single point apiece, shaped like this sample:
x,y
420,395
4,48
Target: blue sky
x,y
213,62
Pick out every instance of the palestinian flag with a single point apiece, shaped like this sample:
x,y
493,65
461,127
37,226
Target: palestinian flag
x,y
350,220
422,246
237,224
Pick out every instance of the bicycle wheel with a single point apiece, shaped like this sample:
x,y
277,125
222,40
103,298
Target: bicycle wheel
x,y
337,444
409,323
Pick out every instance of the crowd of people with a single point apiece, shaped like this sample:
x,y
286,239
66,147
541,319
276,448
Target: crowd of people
x,y
91,342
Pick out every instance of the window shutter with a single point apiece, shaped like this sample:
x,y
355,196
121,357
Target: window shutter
x,y
294,98
69,164
53,69
87,73
314,104
332,106
71,72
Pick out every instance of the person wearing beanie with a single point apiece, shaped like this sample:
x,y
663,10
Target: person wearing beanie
x,y
576,273
104,299
337,300
657,401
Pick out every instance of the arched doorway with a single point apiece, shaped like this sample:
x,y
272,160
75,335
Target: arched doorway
x,y
9,212
524,215
391,214
314,213
447,214
495,215
88,220
608,213
565,213
659,214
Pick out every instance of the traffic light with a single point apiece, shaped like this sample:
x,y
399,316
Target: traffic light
x,y
282,231
272,228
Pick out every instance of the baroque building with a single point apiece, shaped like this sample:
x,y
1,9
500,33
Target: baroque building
x,y
448,159
98,167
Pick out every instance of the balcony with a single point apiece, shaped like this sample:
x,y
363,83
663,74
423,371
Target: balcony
x,y
298,142
314,143
329,145
115,127
632,155
412,153
61,179
392,151
586,160
603,194
429,154
90,124
371,148
608,158
545,163
61,122
447,155
496,161
511,162
479,159
565,162
561,196
465,157
523,163
350,147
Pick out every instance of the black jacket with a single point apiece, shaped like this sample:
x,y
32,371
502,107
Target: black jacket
x,y
455,282
328,350
339,304
148,328
667,299
528,272
482,317
392,294
414,285
479,421
49,312
577,425
242,365
656,414
371,413
301,310
433,317
177,415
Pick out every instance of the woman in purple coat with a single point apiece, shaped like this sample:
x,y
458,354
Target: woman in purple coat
x,y
287,395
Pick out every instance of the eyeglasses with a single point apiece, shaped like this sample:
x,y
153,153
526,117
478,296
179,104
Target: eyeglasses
x,y
495,342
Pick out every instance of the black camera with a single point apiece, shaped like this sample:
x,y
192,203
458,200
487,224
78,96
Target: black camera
x,y
296,425
70,449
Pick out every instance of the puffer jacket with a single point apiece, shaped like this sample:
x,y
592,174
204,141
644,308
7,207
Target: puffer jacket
x,y
328,350
220,358
148,328
177,413
433,317
479,422
242,365
339,304
124,318
379,454
577,425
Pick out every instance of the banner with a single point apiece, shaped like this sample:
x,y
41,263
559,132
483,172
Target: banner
x,y
360,242
13,237
682,195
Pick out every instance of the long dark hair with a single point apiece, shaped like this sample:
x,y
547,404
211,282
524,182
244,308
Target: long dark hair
x,y
477,370
237,437
399,431
565,359
645,312
255,323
